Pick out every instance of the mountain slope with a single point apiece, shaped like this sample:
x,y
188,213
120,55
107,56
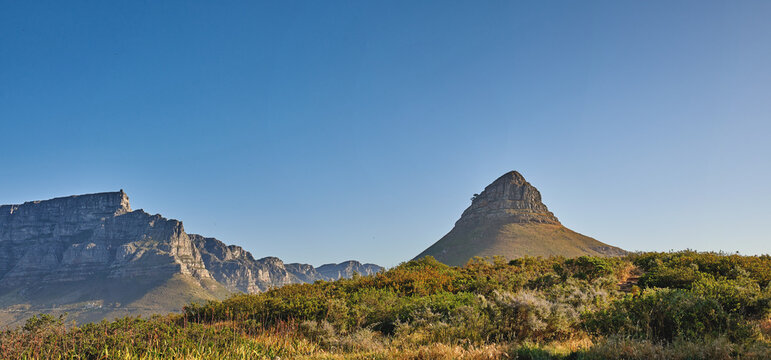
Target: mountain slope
x,y
508,219
238,271
93,257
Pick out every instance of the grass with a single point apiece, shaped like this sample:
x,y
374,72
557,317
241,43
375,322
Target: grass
x,y
511,240
100,298
703,306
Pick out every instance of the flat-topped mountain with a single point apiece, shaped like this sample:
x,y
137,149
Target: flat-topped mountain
x,y
94,257
509,219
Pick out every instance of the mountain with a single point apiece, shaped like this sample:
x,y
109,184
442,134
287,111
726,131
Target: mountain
x,y
93,257
346,270
508,219
238,271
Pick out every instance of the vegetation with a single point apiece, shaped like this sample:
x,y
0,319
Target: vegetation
x,y
509,239
683,305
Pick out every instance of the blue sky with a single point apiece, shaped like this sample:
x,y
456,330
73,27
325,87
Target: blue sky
x,y
325,131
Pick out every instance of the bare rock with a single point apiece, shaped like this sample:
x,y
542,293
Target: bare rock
x,y
509,198
508,219
93,248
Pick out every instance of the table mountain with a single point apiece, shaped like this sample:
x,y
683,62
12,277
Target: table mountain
x,y
508,219
94,257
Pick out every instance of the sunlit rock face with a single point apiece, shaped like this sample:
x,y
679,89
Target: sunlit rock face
x,y
237,269
94,258
98,235
77,237
347,269
510,198
508,219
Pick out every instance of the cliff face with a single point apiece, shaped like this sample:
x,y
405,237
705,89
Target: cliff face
x,y
510,198
237,269
74,238
347,269
509,219
93,252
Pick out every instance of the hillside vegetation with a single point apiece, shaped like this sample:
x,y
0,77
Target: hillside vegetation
x,y
514,240
683,305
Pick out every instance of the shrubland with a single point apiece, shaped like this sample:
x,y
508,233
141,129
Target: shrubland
x,y
683,305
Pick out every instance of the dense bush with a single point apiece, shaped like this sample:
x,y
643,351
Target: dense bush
x,y
667,314
683,267
692,305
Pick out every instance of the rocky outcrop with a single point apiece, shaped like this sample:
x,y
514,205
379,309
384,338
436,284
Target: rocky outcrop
x,y
509,219
347,269
303,272
237,269
509,198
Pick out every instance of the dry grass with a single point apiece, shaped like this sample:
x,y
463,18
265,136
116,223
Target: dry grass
x,y
511,240
443,351
765,329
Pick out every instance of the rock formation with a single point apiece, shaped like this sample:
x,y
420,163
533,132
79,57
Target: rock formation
x,y
93,252
237,269
510,199
77,237
346,270
508,219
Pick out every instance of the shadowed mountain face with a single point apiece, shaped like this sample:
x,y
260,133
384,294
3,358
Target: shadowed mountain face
x,y
508,219
93,257
238,271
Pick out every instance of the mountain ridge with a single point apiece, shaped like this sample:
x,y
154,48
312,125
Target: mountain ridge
x,y
93,256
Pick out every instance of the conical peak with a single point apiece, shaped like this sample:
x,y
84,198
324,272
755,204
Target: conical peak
x,y
508,219
510,198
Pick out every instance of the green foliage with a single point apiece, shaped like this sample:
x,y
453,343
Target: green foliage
x,y
587,268
740,296
43,322
690,264
676,278
721,302
667,314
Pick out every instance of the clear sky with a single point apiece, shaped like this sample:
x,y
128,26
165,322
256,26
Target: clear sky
x,y
322,131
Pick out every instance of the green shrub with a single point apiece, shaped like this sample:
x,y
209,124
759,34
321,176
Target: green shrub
x,y
586,268
674,278
742,296
666,315
692,306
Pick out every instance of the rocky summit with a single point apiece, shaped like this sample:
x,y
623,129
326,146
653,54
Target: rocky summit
x,y
93,257
509,219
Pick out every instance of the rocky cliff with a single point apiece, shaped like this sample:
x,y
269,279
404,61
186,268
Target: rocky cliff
x,y
93,252
346,270
77,237
237,269
509,219
510,198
